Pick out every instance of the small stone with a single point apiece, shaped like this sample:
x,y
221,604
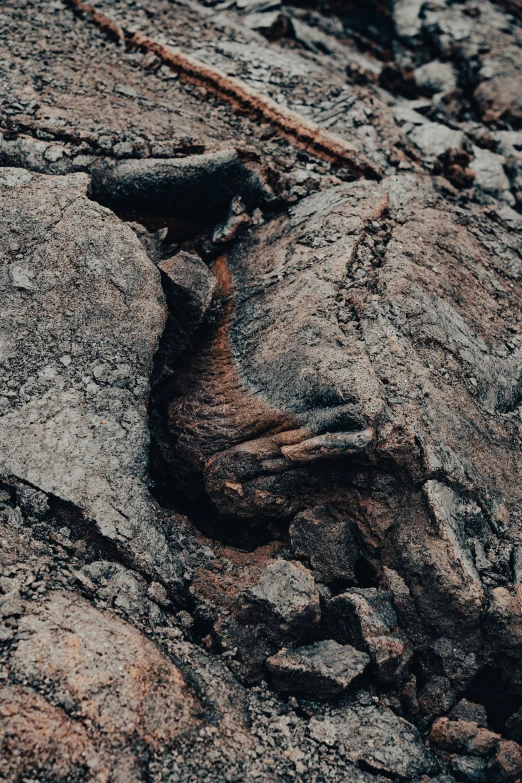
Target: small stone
x,y
54,153
157,593
327,539
508,760
469,711
287,593
228,230
376,739
469,769
436,77
462,737
437,696
124,149
32,501
22,278
105,143
434,139
321,670
490,176
365,618
189,286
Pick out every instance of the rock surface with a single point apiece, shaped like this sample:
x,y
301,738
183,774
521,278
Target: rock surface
x,y
321,670
260,386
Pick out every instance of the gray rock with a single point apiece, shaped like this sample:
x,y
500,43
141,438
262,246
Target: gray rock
x,y
469,711
379,741
328,539
123,589
435,139
488,168
435,77
469,769
286,593
321,670
406,15
189,287
199,186
90,322
366,618
437,696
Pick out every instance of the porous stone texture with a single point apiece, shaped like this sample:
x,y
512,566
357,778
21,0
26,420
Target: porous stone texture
x,y
321,670
260,386
365,617
83,312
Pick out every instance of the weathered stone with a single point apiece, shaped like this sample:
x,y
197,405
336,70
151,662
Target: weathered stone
x,y
61,642
380,742
508,761
435,76
198,187
321,670
189,287
287,593
365,618
435,139
469,711
488,168
463,737
36,736
79,281
257,606
122,589
470,769
437,696
327,539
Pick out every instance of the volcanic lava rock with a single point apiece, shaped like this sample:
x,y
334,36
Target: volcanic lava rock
x,y
341,400
335,398
365,617
377,740
256,606
35,736
201,185
83,312
329,540
78,652
189,288
321,670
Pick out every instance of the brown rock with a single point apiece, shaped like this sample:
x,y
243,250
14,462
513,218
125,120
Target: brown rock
x,y
35,736
463,737
508,760
114,676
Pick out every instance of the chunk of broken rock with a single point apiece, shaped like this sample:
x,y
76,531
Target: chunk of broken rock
x,y
287,594
255,606
366,618
321,670
377,740
460,736
328,539
189,287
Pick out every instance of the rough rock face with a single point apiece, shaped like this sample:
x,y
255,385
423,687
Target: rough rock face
x,y
260,386
83,311
321,670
